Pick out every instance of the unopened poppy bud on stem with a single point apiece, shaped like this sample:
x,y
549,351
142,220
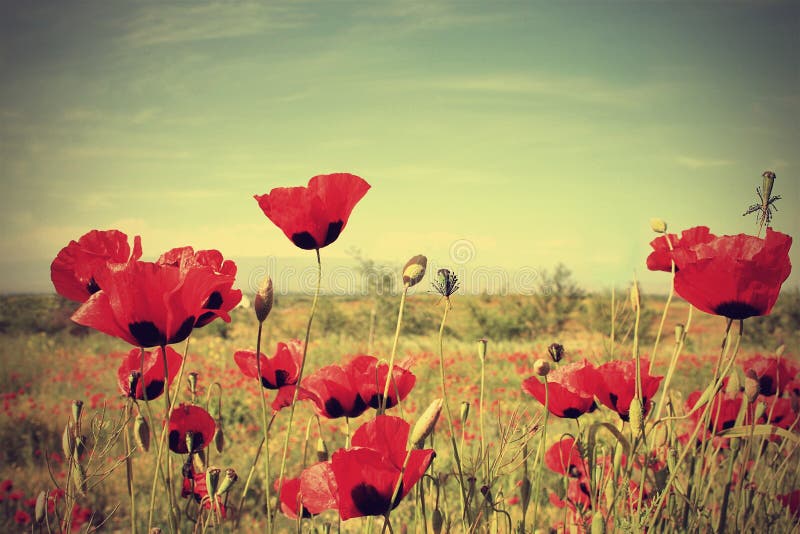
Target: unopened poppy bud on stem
x,y
141,433
751,387
227,481
426,424
262,304
636,300
41,507
464,412
67,441
414,270
77,408
219,437
658,225
635,416
541,367
679,331
212,480
437,521
322,450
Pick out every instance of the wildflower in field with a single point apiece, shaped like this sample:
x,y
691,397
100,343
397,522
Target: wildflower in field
x,y
570,389
278,372
312,217
772,374
617,385
221,298
791,501
724,410
21,517
368,473
370,379
132,383
149,304
190,426
661,257
334,393
314,492
736,276
76,268
578,498
196,487
564,457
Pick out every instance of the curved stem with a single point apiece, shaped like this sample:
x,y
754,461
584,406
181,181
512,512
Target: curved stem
x,y
540,452
300,375
666,308
394,350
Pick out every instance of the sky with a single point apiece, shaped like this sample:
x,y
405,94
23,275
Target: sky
x,y
498,137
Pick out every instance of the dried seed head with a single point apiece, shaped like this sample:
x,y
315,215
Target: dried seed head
x,y
464,412
446,283
322,451
541,367
212,480
41,507
414,270
768,182
482,345
262,304
219,437
426,424
658,225
556,351
141,433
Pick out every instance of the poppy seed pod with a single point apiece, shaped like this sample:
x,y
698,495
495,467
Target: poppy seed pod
x,y
426,424
658,225
262,303
768,182
414,270
192,378
212,480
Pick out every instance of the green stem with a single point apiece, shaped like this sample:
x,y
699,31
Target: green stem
x,y
263,426
394,349
129,465
539,453
299,377
666,309
480,418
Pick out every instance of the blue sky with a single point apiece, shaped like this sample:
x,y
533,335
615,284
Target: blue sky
x,y
529,133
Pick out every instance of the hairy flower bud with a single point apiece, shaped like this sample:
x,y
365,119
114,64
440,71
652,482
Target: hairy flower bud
x,y
262,304
751,386
41,507
464,412
541,367
598,523
414,270
192,378
635,416
67,441
425,424
658,225
141,433
636,299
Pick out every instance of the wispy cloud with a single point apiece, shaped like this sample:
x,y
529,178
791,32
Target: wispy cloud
x,y
158,23
702,163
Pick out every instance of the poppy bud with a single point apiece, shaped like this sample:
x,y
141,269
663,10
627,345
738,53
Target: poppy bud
x,y
672,459
79,478
556,351
67,441
437,521
635,416
141,433
734,384
679,332
761,408
464,412
751,387
525,493
219,437
77,408
541,367
779,350
425,424
414,270
133,383
658,225
192,378
230,478
212,480
322,450
482,349
262,304
598,523
636,299
41,507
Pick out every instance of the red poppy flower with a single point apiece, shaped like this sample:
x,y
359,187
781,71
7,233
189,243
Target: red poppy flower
x,y
661,257
563,457
577,498
149,305
313,217
617,385
736,276
724,410
366,477
279,372
195,486
370,378
773,374
225,298
792,502
75,269
779,412
333,392
315,490
21,517
570,387
192,420
152,381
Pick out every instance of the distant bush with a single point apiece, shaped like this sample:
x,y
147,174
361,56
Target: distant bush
x,y
25,314
782,326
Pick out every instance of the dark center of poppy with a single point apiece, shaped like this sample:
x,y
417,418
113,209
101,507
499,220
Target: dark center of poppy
x,y
281,379
304,240
377,398
214,301
613,397
572,413
334,408
334,229
154,389
370,501
182,332
737,310
147,334
92,286
766,386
